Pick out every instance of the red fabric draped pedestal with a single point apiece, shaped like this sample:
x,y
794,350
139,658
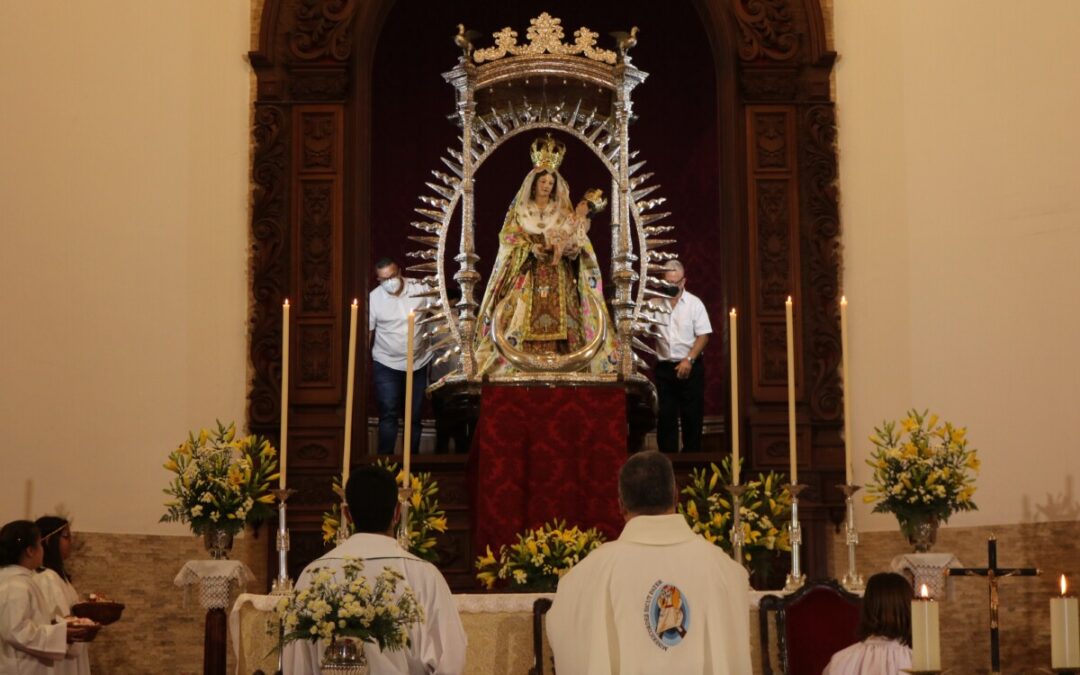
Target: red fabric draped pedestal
x,y
541,453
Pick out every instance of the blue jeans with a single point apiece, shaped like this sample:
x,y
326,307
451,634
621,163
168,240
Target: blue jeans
x,y
390,397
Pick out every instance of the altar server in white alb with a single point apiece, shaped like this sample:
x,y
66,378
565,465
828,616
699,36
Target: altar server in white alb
x,y
30,643
885,629
437,645
55,584
660,599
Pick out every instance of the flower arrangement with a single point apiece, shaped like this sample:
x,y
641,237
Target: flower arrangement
x,y
426,518
221,482
764,511
924,471
353,607
540,557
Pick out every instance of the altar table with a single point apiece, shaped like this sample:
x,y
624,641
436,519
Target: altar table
x,y
498,627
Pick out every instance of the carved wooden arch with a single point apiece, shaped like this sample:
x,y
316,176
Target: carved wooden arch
x,y
312,175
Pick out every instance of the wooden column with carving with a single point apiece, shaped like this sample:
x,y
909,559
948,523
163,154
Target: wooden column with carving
x,y
793,227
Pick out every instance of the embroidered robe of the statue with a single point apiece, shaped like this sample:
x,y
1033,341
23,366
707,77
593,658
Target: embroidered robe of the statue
x,y
551,306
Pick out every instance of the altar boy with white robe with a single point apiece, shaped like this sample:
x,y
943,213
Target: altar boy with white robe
x,y
660,599
437,644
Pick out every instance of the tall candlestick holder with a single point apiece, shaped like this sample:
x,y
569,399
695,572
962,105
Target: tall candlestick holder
x,y
343,532
796,578
852,581
738,537
405,500
283,585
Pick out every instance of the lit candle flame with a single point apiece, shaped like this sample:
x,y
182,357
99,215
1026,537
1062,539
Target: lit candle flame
x,y
843,300
924,592
286,302
355,302
1064,585
733,312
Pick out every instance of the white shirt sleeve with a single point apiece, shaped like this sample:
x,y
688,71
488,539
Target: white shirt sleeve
x,y
701,320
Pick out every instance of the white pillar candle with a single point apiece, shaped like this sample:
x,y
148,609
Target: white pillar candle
x,y
1064,630
407,450
283,433
791,390
849,469
346,462
925,633
734,423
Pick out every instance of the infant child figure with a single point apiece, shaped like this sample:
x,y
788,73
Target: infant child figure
x,y
566,238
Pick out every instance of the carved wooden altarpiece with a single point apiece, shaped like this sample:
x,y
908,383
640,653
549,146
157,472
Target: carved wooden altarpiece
x,y
312,242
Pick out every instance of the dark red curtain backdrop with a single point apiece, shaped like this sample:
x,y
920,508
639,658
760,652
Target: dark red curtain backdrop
x,y
541,453
676,132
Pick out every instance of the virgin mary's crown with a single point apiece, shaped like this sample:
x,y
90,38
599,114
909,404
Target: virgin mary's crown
x,y
547,153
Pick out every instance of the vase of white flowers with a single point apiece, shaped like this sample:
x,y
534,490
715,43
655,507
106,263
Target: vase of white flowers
x,y
344,609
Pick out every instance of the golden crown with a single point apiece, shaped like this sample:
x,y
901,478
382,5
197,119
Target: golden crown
x,y
547,153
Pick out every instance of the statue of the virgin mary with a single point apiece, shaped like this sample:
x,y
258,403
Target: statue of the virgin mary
x,y
543,308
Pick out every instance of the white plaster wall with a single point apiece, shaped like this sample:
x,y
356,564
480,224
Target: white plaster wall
x,y
124,209
960,201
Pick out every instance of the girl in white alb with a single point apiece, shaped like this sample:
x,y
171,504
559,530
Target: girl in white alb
x,y
885,626
55,584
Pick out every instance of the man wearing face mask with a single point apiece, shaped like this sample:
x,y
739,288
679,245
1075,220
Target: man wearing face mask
x,y
388,320
680,372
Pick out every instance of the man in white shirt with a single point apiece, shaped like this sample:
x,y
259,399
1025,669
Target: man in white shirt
x,y
388,314
660,599
437,645
680,371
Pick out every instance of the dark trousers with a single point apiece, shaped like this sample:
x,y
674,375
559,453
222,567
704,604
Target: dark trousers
x,y
450,425
680,400
390,396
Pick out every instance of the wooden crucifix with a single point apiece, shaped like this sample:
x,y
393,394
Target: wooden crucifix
x,y
992,572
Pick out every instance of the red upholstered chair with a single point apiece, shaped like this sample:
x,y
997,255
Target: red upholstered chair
x,y
812,624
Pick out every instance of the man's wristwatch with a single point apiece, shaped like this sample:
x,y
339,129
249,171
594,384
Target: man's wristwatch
x,y
690,359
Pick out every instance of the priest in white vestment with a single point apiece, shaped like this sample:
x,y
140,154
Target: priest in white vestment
x,y
438,642
660,599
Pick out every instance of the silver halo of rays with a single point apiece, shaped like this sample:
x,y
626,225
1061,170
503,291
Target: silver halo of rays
x,y
636,269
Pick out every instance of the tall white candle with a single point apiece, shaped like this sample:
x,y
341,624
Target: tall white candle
x,y
283,434
849,469
791,390
1064,630
346,462
925,633
407,450
734,422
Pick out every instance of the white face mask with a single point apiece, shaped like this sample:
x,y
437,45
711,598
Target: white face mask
x,y
391,285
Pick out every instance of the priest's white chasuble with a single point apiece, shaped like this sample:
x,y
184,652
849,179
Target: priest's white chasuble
x,y
660,599
438,644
